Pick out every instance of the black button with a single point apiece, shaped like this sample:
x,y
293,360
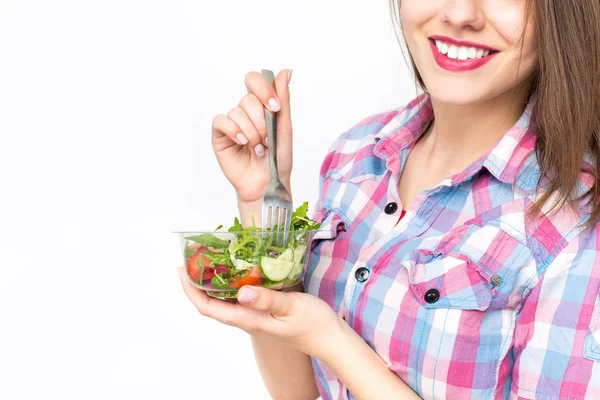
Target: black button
x,y
362,274
391,208
432,296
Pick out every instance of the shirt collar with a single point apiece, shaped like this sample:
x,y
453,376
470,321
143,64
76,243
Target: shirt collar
x,y
511,159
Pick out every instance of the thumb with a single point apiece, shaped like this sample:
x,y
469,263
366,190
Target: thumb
x,y
262,299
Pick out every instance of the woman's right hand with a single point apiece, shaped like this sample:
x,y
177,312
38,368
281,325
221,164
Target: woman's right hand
x,y
239,139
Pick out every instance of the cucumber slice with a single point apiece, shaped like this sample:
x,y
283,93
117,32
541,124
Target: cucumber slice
x,y
295,272
298,264
299,252
275,269
287,255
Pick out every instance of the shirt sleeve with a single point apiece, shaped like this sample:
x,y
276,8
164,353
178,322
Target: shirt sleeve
x,y
324,172
332,161
345,148
557,333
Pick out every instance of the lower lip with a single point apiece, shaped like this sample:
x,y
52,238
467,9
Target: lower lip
x,y
458,65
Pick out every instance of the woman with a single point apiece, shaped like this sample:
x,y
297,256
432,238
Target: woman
x,y
460,258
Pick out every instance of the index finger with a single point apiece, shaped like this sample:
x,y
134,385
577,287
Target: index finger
x,y
258,85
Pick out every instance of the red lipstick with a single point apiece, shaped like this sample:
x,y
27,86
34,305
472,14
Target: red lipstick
x,y
456,65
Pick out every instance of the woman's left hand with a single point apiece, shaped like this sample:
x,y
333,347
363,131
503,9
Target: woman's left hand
x,y
302,321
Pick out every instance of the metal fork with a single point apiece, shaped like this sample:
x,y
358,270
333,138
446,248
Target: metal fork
x,y
277,201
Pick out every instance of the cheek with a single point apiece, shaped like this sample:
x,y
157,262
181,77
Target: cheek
x,y
415,13
508,19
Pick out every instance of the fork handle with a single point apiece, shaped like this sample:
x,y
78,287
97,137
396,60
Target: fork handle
x,y
271,121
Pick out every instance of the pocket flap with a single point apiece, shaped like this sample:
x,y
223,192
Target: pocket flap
x,y
332,223
453,278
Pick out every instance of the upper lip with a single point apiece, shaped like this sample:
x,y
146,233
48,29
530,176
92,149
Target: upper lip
x,y
462,42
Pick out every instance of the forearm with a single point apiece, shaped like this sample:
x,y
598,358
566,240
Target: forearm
x,y
287,373
362,370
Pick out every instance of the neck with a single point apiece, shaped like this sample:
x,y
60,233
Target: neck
x,y
460,134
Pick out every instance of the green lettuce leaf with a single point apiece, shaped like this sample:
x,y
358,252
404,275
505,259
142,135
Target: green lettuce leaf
x,y
209,240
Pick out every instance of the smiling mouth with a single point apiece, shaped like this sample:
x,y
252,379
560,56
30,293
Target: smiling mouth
x,y
460,52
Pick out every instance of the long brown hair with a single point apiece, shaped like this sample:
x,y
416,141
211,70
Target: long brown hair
x,y
567,110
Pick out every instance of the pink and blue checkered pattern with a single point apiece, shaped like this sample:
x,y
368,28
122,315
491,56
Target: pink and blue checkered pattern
x,y
518,312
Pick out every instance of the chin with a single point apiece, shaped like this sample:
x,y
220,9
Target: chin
x,y
459,94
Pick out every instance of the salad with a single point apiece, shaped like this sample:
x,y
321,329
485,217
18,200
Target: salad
x,y
227,260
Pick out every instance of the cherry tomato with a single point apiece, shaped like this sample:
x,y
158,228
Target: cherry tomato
x,y
209,273
197,262
249,278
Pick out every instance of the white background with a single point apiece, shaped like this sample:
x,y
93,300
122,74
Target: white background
x,y
105,113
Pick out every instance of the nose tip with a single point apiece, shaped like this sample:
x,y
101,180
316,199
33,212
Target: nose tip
x,y
464,13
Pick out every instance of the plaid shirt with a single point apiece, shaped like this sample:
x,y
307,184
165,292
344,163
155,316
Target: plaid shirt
x,y
465,297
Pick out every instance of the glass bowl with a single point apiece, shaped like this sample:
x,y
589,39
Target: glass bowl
x,y
222,262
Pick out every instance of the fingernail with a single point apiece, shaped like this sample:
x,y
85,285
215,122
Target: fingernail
x,y
289,76
247,295
243,139
260,150
274,105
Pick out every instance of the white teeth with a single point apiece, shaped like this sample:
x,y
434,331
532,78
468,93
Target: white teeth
x,y
452,52
444,48
460,52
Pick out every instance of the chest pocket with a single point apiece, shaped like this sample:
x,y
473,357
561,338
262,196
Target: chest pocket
x,y
591,349
467,285
471,268
450,280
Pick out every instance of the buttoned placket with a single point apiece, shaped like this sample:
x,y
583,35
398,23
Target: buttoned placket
x,y
426,212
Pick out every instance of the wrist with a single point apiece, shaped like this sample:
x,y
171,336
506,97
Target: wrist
x,y
250,212
333,342
249,205
253,208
